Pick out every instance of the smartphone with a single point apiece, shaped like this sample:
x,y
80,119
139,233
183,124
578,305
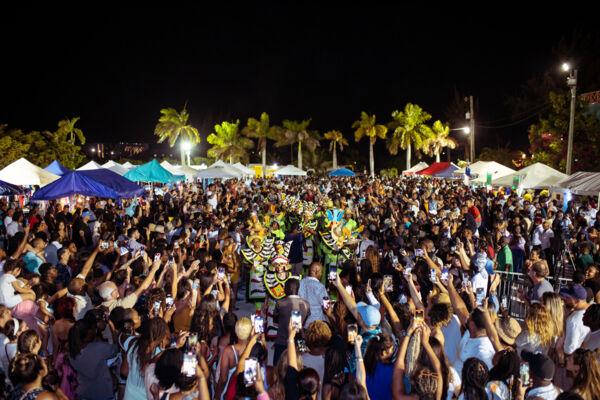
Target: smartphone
x,y
419,252
419,315
171,261
387,283
332,272
480,296
26,222
301,344
380,252
452,248
176,244
169,300
157,257
504,302
142,252
352,332
192,340
524,374
296,319
250,370
408,272
433,275
195,285
363,253
395,261
465,280
189,364
444,276
116,244
221,273
326,302
258,324
156,308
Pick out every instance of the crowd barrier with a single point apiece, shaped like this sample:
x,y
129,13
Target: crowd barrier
x,y
511,282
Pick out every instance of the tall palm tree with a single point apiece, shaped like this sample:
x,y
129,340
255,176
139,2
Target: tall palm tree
x,y
366,126
295,132
66,128
173,125
439,140
261,130
229,143
337,139
409,130
317,160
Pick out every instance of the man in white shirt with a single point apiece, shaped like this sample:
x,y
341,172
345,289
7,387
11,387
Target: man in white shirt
x,y
538,230
8,218
575,331
211,196
110,293
591,319
475,343
51,250
364,244
312,290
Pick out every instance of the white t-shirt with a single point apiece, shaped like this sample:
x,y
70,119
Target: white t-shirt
x,y
213,202
575,332
451,334
453,382
480,347
7,291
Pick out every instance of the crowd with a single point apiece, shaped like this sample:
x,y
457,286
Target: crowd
x,y
383,288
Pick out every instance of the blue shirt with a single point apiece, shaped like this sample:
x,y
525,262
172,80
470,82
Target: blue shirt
x,y
32,262
379,384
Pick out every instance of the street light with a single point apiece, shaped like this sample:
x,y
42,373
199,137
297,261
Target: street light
x,y
467,131
572,84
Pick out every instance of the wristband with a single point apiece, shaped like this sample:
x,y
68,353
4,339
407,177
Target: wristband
x,y
359,359
290,340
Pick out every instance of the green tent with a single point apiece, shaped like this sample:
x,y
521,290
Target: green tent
x,y
152,172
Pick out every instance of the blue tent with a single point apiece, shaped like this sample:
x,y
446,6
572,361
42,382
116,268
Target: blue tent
x,y
57,168
98,183
8,189
152,172
341,172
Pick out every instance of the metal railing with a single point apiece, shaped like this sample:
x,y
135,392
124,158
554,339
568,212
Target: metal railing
x,y
511,282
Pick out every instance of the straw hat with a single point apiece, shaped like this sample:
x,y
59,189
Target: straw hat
x,y
508,329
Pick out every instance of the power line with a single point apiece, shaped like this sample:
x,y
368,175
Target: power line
x,y
537,109
515,122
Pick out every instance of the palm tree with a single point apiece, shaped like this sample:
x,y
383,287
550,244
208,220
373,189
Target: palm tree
x,y
337,139
409,130
260,129
366,126
316,160
66,128
229,143
173,125
295,132
440,140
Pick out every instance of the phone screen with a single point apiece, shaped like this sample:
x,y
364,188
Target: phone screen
x,y
169,300
395,261
419,315
326,302
524,373
156,257
387,283
189,364
504,302
419,252
258,325
221,274
192,340
444,276
296,319
332,272
352,332
480,296
362,254
433,275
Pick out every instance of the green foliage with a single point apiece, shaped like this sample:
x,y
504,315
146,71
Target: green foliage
x,y
228,143
548,138
409,129
262,130
391,173
337,140
172,125
440,139
366,126
317,160
502,155
296,132
41,148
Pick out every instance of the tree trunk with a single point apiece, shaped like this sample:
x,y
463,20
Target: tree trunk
x,y
408,154
230,159
264,161
437,157
334,157
299,155
371,160
182,155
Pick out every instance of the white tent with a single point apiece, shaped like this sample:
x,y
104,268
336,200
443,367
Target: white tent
x,y
245,170
536,176
218,163
90,165
214,172
481,169
199,167
128,165
115,167
190,173
24,173
581,183
419,167
290,170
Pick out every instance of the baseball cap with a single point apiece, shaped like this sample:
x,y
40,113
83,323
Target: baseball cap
x,y
576,291
86,214
540,365
370,314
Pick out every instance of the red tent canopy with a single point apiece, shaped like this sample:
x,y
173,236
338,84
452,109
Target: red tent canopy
x,y
435,168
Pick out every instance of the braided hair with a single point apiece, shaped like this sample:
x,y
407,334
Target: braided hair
x,y
474,378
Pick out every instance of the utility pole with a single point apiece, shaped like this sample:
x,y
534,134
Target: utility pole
x,y
471,117
572,83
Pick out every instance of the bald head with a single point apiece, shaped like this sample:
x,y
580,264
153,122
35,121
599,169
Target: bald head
x,y
76,286
315,270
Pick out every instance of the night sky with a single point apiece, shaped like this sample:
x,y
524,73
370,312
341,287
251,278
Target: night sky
x,y
116,67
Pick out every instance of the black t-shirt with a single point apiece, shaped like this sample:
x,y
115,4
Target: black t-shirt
x,y
82,226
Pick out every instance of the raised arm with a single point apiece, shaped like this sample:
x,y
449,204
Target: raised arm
x,y
435,362
361,373
393,317
246,353
458,305
349,302
23,244
416,297
398,390
149,279
90,262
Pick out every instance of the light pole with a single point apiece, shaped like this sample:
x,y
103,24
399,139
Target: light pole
x,y
572,84
471,117
186,146
466,131
93,153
